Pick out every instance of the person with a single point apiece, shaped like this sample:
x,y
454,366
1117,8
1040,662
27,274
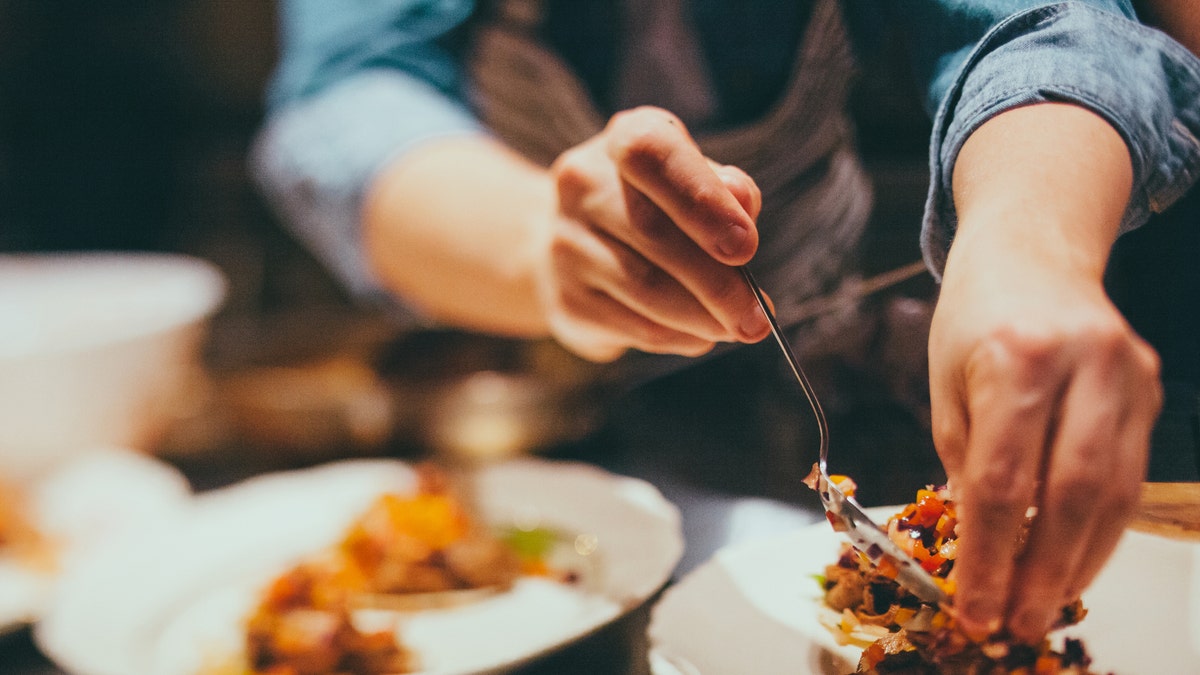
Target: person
x,y
597,171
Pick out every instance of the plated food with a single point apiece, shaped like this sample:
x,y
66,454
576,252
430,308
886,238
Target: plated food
x,y
305,562
406,552
901,634
754,607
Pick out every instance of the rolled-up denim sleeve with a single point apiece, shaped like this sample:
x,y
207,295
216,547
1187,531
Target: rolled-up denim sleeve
x,y
358,85
1093,54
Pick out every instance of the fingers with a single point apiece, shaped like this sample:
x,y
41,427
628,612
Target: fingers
x,y
645,237
947,397
1048,427
659,263
600,329
655,154
720,289
1011,386
741,186
1091,487
593,263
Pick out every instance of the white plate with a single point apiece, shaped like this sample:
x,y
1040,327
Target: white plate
x,y
99,497
172,603
754,608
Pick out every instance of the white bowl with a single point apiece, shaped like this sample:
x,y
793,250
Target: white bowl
x,y
97,349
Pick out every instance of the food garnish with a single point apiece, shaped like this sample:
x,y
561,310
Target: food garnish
x,y
901,635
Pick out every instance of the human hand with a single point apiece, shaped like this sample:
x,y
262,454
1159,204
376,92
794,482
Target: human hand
x,y
641,252
1042,395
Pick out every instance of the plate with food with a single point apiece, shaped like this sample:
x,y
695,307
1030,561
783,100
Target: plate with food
x,y
806,602
371,567
57,520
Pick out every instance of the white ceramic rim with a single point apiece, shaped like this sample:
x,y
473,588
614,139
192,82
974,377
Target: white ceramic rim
x,y
209,281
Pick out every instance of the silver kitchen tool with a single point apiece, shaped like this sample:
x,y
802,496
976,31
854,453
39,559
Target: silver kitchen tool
x,y
842,510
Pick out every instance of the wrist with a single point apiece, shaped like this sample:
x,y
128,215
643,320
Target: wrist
x,y
1048,183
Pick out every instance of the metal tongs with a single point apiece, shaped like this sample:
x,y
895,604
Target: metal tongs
x,y
842,510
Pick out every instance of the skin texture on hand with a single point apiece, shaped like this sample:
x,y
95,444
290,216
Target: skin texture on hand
x,y
643,252
629,241
1041,393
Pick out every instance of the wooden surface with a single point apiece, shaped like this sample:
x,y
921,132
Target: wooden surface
x,y
1169,509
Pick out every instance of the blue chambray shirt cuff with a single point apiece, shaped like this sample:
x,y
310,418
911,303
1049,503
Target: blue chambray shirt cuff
x,y
315,158
1145,84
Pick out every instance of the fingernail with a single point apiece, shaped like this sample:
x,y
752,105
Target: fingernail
x,y
980,618
733,244
754,323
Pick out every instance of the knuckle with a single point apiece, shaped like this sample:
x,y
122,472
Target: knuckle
x,y
646,219
641,137
642,117
1150,363
702,198
639,273
566,246
729,291
1074,496
570,174
947,433
997,491
999,476
563,251
643,148
744,187
1024,348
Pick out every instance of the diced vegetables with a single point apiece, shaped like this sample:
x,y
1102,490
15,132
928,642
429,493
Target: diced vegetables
x,y
863,599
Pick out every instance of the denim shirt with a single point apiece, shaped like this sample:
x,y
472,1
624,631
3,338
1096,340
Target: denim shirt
x,y
361,82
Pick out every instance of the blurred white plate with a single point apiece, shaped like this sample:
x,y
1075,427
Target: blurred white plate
x,y
753,609
174,602
99,348
98,498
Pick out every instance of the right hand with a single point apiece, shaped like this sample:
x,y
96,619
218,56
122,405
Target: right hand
x,y
643,249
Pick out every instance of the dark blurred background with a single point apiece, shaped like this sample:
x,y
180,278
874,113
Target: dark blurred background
x,y
124,124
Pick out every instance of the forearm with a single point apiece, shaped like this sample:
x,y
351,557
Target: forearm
x,y
1140,81
453,227
1046,184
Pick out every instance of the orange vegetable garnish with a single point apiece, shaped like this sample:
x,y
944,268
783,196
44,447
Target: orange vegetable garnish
x,y
1047,664
932,562
844,483
535,567
873,654
888,567
435,520
929,509
947,585
838,525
